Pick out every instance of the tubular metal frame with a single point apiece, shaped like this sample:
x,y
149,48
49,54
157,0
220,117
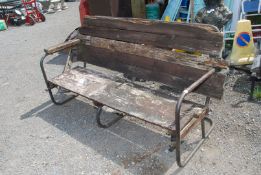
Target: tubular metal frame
x,y
100,124
51,86
177,134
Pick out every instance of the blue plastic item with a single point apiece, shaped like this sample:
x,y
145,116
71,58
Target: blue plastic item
x,y
171,10
153,11
251,6
184,3
183,14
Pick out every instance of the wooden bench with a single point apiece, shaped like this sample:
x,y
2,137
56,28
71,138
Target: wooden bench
x,y
129,63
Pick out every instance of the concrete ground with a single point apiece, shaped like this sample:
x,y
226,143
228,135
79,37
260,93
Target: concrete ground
x,y
37,137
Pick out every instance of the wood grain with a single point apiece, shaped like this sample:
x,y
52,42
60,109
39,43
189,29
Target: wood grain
x,y
125,98
147,69
190,37
62,46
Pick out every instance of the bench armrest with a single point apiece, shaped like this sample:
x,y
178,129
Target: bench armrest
x,y
188,90
62,46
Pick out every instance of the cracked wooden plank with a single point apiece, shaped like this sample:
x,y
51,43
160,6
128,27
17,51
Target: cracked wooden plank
x,y
190,37
123,97
177,70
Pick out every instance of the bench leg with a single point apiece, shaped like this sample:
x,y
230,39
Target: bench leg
x,y
182,163
49,87
59,102
100,124
177,140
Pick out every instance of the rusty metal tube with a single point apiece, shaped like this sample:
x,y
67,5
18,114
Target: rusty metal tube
x,y
188,90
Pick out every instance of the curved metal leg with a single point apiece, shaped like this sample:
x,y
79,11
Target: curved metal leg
x,y
177,133
60,102
49,87
98,119
204,137
176,139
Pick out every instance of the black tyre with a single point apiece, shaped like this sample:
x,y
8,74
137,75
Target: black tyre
x,y
42,17
31,20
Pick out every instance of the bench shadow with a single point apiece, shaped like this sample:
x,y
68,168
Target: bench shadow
x,y
123,143
58,59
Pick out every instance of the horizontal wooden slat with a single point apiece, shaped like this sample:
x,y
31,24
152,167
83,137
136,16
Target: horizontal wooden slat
x,y
136,102
191,37
149,26
175,75
200,62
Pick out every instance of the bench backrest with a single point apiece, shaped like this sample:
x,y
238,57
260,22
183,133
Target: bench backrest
x,y
143,49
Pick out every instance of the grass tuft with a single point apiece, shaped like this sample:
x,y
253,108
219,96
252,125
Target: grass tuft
x,y
257,93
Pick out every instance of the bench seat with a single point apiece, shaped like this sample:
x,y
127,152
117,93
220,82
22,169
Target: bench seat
x,y
124,97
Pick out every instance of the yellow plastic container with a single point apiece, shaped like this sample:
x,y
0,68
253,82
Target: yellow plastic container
x,y
138,8
243,51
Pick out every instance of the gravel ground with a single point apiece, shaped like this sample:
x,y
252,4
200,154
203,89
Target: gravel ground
x,y
37,137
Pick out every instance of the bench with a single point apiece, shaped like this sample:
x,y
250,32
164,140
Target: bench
x,y
130,65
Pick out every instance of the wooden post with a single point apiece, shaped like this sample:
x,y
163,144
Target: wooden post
x,y
138,8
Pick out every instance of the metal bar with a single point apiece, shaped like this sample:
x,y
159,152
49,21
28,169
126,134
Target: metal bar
x,y
203,129
98,119
49,88
177,116
257,25
68,62
253,30
256,37
256,14
256,30
206,119
190,125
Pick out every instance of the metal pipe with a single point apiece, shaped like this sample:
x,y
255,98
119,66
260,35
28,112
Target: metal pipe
x,y
178,109
48,84
203,129
98,119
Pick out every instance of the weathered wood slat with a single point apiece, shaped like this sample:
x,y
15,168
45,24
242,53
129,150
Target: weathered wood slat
x,y
152,69
62,46
200,62
158,40
149,26
133,101
190,37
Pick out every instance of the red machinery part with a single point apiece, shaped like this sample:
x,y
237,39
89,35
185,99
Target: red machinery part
x,y
120,8
33,15
83,9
